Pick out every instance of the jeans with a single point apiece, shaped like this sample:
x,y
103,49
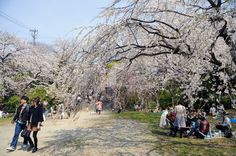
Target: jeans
x,y
19,127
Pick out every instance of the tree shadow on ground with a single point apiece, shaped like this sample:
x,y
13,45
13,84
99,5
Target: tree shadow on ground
x,y
157,131
122,137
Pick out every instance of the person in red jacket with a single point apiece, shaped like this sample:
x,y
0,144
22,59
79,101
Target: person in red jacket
x,y
203,128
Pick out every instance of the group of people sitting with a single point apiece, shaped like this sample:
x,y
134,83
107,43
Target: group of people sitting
x,y
191,123
216,110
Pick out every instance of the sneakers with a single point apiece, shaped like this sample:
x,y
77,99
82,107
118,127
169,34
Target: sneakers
x,y
11,149
24,146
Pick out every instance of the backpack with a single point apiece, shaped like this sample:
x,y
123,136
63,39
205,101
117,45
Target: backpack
x,y
171,116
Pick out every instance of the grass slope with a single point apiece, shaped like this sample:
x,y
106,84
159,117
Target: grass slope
x,y
4,121
182,146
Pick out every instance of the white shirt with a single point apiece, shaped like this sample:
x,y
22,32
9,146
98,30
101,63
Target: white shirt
x,y
213,110
227,121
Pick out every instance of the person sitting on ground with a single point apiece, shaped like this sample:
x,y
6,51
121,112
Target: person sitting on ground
x,y
225,126
220,109
171,119
190,115
119,110
213,110
139,108
203,127
194,123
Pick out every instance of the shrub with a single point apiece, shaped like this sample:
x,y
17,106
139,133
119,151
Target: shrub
x,y
40,92
12,103
152,104
165,98
1,99
226,101
132,100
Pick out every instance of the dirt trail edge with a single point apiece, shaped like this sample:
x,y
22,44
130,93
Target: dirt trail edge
x,y
90,135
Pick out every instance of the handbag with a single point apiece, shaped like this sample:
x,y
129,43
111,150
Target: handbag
x,y
228,133
25,133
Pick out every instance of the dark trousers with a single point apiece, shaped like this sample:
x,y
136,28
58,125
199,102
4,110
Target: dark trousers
x,y
192,131
181,130
35,143
200,135
222,128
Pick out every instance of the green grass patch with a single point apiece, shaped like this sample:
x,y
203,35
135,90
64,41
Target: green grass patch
x,y
141,117
167,145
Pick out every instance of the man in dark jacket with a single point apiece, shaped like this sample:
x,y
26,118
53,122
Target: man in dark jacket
x,y
20,119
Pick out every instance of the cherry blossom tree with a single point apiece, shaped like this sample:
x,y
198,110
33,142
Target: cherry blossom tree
x,y
187,39
141,45
22,65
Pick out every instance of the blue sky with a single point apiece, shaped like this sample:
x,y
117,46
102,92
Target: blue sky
x,y
53,18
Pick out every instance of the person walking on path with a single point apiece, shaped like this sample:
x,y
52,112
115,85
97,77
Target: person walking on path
x,y
99,107
35,119
20,119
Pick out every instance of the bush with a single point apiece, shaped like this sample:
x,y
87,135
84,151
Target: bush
x,y
132,100
40,92
1,99
165,98
12,103
226,101
152,104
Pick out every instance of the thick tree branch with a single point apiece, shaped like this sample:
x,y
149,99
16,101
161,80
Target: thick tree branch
x,y
157,21
157,33
212,3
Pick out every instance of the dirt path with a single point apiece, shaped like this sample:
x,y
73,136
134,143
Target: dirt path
x,y
91,135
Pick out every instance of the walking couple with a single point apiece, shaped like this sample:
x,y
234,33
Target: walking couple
x,y
28,119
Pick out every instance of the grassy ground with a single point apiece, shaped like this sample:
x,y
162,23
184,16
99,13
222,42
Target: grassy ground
x,y
167,145
4,121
